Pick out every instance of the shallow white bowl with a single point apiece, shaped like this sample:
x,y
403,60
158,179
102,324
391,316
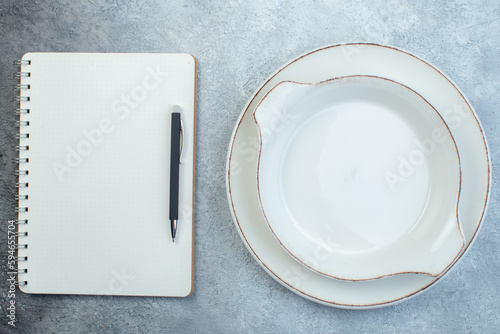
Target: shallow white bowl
x,y
359,178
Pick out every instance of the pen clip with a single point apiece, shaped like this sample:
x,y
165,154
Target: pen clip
x,y
181,142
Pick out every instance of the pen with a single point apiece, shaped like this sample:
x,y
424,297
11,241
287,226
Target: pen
x,y
175,156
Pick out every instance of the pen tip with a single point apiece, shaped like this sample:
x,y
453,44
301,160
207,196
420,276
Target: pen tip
x,y
173,229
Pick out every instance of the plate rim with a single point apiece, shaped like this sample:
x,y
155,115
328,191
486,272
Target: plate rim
x,y
237,223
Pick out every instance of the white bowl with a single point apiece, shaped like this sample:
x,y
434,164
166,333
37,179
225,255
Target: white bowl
x,y
359,178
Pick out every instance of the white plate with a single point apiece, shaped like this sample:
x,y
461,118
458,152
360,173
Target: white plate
x,y
344,60
361,180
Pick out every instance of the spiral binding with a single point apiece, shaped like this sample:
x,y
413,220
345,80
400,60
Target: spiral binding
x,y
21,234
21,62
19,271
20,111
22,86
22,148
22,75
22,172
22,98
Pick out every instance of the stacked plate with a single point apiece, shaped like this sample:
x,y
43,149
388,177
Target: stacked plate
x,y
358,175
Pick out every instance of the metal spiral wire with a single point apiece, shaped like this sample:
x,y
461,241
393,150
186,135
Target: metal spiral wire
x,y
23,111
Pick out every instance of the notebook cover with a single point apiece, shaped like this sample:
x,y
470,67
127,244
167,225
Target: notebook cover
x,y
98,174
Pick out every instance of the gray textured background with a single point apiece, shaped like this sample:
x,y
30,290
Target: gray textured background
x,y
238,44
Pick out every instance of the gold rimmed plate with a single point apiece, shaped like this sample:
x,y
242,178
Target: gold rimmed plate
x,y
345,60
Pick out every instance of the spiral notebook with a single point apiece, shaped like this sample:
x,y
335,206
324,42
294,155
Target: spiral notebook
x,y
94,163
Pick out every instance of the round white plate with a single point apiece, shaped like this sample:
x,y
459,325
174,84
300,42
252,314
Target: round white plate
x,y
362,179
345,60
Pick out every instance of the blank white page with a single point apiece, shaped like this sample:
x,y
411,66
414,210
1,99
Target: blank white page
x,y
99,157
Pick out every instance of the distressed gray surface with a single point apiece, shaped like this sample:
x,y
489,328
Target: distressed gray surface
x,y
238,44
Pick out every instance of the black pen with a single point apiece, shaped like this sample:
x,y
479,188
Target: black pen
x,y
175,160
